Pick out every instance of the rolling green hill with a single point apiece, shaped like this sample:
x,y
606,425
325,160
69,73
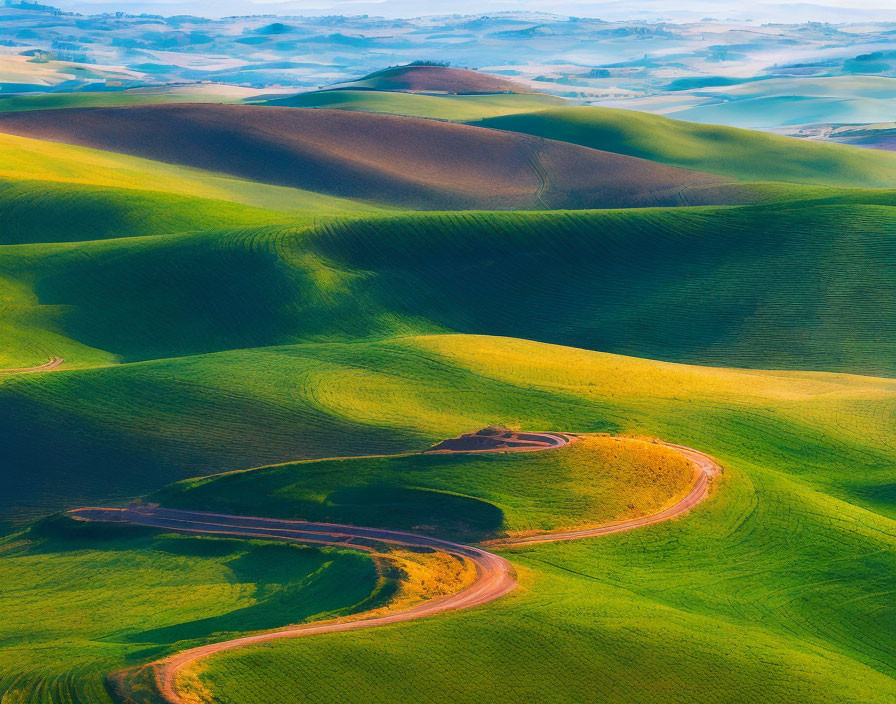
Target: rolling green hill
x,y
741,154
779,585
69,433
596,480
138,96
770,591
42,211
793,285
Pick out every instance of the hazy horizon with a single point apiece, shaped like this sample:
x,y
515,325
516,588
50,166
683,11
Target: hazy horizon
x,y
648,10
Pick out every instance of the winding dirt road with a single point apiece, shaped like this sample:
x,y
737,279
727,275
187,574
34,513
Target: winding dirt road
x,y
495,575
52,363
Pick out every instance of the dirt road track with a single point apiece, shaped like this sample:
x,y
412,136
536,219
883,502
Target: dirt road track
x,y
52,363
495,575
704,469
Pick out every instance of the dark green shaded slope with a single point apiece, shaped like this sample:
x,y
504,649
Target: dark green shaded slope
x,y
43,211
793,285
799,287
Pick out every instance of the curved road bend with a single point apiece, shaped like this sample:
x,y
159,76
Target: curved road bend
x,y
518,442
52,363
705,468
495,575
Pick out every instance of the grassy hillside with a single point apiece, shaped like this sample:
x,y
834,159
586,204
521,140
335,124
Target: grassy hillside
x,y
223,290
797,286
440,107
598,479
80,601
69,433
401,161
670,615
793,285
789,560
42,211
37,160
778,586
728,151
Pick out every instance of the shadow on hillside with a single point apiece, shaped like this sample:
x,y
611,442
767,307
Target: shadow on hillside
x,y
421,510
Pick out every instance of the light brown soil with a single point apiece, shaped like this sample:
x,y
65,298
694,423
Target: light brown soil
x,y
495,576
53,363
401,161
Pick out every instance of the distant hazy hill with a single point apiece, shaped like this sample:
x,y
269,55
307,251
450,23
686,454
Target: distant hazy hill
x,y
453,107
437,79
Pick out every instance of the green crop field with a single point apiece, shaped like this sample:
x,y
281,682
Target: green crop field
x,y
778,587
80,601
758,286
254,349
742,154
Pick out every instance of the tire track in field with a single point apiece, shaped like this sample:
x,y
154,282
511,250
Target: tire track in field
x,y
52,363
495,576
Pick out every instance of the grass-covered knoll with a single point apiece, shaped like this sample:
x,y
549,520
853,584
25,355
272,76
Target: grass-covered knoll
x,y
80,601
222,290
596,480
745,155
440,107
778,586
70,434
38,322
792,285
23,159
44,211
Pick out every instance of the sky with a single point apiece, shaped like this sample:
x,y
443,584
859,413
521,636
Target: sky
x,y
673,10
